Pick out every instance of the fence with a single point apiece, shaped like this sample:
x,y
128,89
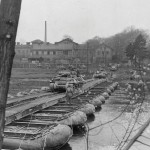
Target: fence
x,y
30,65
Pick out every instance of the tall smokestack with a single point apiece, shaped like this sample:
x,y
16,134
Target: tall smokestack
x,y
45,40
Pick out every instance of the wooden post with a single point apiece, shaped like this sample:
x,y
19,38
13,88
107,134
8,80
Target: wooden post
x,y
9,16
87,63
138,134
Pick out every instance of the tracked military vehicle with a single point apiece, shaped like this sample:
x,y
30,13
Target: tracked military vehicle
x,y
100,75
64,78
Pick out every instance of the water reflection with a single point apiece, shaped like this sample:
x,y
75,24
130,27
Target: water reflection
x,y
101,136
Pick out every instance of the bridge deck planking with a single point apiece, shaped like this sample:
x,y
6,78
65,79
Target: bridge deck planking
x,y
27,108
21,111
14,101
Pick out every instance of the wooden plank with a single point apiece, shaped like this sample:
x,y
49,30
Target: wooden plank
x,y
24,109
16,101
21,111
91,84
138,134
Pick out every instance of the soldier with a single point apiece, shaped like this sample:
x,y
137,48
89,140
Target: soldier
x,y
78,73
69,93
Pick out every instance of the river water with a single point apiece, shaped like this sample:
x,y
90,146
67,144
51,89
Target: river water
x,y
103,137
107,136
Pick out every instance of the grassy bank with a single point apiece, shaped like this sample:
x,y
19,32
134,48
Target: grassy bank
x,y
26,79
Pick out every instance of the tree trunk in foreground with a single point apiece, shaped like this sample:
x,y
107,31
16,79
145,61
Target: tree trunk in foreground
x,y
9,16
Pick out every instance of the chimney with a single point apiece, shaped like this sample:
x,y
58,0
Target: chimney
x,y
45,40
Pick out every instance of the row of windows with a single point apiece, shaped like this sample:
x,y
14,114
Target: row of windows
x,y
102,52
23,51
51,52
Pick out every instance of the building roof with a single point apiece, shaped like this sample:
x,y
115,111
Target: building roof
x,y
70,45
37,41
23,46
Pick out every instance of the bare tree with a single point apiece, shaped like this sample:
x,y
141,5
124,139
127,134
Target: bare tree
x,y
67,37
9,16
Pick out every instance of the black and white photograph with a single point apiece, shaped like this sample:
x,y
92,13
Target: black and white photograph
x,y
74,74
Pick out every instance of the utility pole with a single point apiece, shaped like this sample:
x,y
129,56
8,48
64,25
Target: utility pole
x,y
138,134
9,16
105,53
87,63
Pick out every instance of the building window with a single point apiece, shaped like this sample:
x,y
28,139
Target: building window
x,y
45,52
70,53
58,53
65,52
48,53
36,52
54,53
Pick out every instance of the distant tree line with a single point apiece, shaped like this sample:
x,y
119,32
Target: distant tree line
x,y
137,51
118,42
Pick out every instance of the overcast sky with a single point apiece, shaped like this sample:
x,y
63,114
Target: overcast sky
x,y
81,19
